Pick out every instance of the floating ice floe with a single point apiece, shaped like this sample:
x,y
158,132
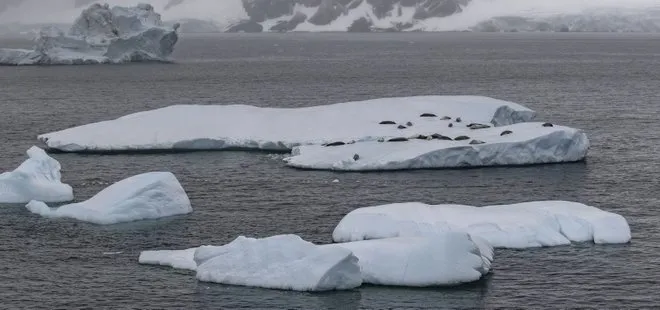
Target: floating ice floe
x,y
518,144
218,127
38,177
146,196
101,35
439,260
524,225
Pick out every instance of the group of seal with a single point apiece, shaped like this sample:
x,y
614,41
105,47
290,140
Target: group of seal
x,y
435,136
428,115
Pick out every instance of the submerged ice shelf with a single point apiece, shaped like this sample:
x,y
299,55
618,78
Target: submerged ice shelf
x,y
146,196
218,127
101,35
440,260
523,225
38,177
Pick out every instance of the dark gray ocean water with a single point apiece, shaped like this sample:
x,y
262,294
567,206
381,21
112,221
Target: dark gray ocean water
x,y
608,85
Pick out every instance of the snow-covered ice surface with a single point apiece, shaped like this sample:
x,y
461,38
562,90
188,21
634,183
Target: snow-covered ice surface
x,y
523,225
101,35
219,127
281,262
179,259
444,259
146,196
38,177
528,143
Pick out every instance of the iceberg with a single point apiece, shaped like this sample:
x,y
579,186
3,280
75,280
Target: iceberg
x,y
101,35
523,225
146,196
518,144
445,259
218,127
284,262
38,177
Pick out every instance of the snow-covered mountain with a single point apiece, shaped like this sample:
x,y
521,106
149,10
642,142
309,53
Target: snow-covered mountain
x,y
366,15
342,15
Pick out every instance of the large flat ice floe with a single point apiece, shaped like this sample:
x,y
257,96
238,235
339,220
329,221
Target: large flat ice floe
x,y
524,225
440,260
281,262
101,35
217,127
518,144
38,177
146,196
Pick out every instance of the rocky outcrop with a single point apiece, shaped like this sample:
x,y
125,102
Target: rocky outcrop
x,y
360,25
327,12
291,24
435,8
261,10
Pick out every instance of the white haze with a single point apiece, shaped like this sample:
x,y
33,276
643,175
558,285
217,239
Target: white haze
x,y
224,11
482,10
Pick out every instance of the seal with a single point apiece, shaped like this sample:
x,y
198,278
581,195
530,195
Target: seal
x,y
477,126
461,138
421,137
387,123
446,118
451,125
473,142
356,157
409,124
506,132
399,139
428,115
548,125
338,143
458,120
402,127
441,137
